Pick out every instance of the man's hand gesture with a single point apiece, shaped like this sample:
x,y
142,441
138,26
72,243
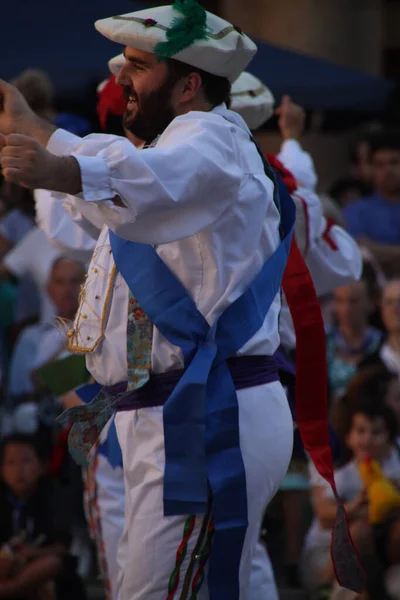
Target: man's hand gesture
x,y
291,119
25,162
14,109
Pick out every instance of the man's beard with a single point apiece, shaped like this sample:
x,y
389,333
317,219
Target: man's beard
x,y
153,114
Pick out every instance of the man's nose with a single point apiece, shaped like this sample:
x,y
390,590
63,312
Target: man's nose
x,y
122,79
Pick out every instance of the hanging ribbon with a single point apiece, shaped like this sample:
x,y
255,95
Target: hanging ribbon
x,y
312,405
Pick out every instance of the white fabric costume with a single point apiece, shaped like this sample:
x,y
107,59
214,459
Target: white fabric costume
x,y
202,199
198,241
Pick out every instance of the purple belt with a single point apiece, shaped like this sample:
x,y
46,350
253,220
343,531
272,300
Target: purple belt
x,y
246,371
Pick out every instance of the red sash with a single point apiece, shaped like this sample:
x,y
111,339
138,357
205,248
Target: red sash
x,y
312,395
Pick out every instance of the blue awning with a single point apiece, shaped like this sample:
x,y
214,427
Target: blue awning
x,y
60,38
318,84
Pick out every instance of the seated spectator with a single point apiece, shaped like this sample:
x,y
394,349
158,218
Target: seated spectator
x,y
38,345
376,281
33,255
388,353
374,380
14,226
375,220
352,339
38,90
370,431
34,527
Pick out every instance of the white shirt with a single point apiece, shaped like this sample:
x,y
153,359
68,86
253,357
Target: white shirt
x,y
33,256
70,231
332,262
349,484
202,198
299,163
76,240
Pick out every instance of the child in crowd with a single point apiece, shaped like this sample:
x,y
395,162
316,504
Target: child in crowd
x,y
369,430
34,527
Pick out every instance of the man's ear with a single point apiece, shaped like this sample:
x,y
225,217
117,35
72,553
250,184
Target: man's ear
x,y
191,86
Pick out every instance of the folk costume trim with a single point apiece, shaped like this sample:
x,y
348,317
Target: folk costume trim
x,y
179,5
76,342
146,23
180,556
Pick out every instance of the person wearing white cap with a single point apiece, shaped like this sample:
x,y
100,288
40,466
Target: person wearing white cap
x,y
195,236
333,261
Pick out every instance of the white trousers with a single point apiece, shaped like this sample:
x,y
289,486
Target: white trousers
x,y
148,551
262,579
111,505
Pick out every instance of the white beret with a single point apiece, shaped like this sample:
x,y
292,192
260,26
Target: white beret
x,y
115,64
209,42
252,100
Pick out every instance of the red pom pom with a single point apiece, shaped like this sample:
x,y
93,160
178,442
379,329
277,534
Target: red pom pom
x,y
111,100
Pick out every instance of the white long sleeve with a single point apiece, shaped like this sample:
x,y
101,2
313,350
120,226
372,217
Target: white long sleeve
x,y
331,254
74,239
299,163
160,187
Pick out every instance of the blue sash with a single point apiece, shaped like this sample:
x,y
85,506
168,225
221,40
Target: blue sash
x,y
110,448
201,421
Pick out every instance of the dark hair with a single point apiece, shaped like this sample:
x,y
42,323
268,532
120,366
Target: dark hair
x,y
65,258
114,125
342,186
366,395
23,440
386,140
363,138
216,89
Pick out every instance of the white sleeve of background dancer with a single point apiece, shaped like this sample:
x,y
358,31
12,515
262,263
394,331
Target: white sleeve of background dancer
x,y
334,260
76,239
332,255
299,163
169,192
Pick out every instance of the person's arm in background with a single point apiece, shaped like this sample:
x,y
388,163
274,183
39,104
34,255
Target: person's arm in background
x,y
331,254
149,197
325,507
31,577
300,163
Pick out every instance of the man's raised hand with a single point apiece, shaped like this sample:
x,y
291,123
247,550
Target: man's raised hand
x,y
25,162
15,112
291,119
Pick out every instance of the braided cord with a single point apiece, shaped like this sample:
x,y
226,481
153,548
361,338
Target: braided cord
x,y
198,579
180,556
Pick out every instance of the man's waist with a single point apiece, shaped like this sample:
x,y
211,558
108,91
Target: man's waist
x,y
246,372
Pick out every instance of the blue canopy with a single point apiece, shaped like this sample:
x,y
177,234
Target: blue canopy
x,y
60,38
318,84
